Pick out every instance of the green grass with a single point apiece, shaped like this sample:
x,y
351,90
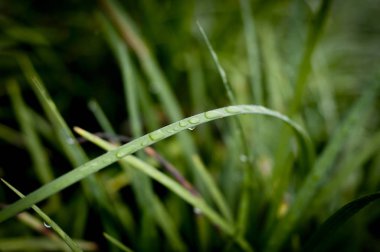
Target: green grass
x,y
222,126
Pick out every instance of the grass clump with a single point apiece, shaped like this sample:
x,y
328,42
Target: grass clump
x,y
299,171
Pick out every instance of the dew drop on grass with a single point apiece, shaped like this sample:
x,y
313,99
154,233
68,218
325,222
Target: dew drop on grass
x,y
212,114
70,140
183,123
232,109
194,120
197,211
191,128
126,151
243,158
47,225
156,135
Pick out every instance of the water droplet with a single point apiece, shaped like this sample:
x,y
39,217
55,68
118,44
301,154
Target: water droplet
x,y
70,140
197,211
183,123
125,151
170,129
145,141
194,120
232,109
47,225
213,114
156,135
243,158
191,128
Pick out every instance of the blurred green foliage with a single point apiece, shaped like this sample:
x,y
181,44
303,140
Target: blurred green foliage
x,y
311,60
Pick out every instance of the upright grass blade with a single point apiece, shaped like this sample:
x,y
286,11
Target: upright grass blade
x,y
314,33
123,58
335,221
277,82
230,94
101,117
281,172
249,181
252,46
317,176
38,154
117,243
112,156
73,246
214,191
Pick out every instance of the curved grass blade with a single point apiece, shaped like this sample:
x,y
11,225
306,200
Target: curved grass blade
x,y
73,246
112,156
335,221
186,195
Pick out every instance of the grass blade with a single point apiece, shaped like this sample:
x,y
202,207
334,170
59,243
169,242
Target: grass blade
x,y
117,243
73,246
37,152
335,221
215,193
314,33
73,151
175,187
112,156
101,117
251,44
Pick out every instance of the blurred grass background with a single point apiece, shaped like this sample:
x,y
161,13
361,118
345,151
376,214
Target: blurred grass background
x,y
146,64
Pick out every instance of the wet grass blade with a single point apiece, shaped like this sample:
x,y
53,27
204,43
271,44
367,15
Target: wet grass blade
x,y
110,157
73,246
172,185
118,153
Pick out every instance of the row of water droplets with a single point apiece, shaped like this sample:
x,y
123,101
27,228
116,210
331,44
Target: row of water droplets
x,y
188,123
